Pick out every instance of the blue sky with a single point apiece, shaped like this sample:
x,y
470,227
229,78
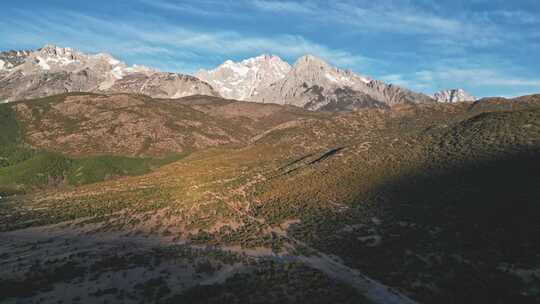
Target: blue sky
x,y
488,47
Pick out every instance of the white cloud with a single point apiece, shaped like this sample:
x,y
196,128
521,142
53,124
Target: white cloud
x,y
167,42
285,6
439,38
435,26
473,79
514,16
204,8
476,77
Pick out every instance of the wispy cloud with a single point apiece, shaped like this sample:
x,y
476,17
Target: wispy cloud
x,y
285,6
424,45
159,40
436,26
512,16
430,81
476,76
206,8
396,79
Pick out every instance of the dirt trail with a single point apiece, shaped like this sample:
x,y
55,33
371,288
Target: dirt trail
x,y
373,290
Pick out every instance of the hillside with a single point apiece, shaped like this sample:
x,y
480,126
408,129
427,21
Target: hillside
x,y
82,138
437,201
137,125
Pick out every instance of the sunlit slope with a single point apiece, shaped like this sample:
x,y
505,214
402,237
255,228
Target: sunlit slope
x,y
436,200
136,125
76,139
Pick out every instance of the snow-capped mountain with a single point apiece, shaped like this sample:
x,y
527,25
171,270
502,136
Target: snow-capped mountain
x,y
315,85
244,80
453,95
54,70
12,59
310,83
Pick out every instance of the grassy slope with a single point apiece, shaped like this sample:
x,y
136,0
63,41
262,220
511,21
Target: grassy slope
x,y
436,201
453,204
132,125
191,124
23,167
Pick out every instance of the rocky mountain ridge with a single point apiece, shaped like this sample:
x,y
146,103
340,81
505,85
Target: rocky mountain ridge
x,y
245,79
453,95
54,70
316,85
310,83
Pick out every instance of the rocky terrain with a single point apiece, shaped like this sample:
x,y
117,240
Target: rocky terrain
x,y
310,83
11,59
136,125
268,203
53,70
315,85
454,95
244,80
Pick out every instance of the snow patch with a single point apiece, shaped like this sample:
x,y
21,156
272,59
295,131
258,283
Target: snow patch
x,y
61,60
453,95
237,68
138,69
364,80
118,72
330,77
240,80
43,64
113,61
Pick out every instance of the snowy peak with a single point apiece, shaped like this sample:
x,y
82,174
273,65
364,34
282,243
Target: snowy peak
x,y
11,59
53,70
51,57
245,79
314,84
310,61
50,50
311,67
453,95
54,59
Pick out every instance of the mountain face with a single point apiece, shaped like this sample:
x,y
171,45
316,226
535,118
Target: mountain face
x,y
244,80
453,95
311,84
161,85
12,59
315,85
53,70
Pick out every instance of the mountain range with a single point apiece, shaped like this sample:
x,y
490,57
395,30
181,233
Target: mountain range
x,y
54,70
310,83
260,182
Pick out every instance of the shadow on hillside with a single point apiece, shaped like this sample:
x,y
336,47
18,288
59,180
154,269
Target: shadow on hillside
x,y
449,233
